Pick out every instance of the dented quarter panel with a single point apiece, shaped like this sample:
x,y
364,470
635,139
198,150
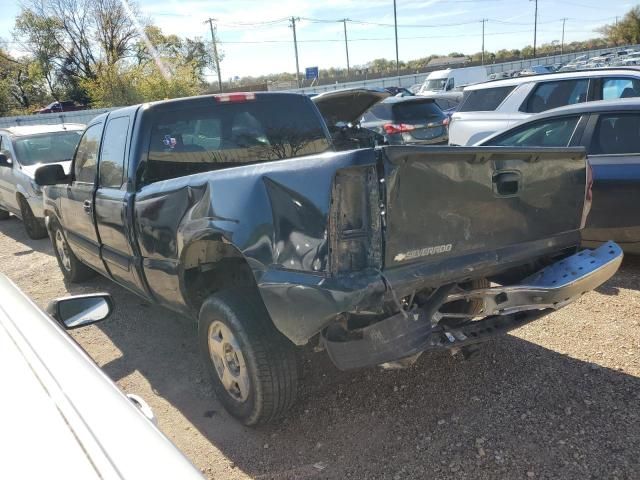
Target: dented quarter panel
x,y
276,216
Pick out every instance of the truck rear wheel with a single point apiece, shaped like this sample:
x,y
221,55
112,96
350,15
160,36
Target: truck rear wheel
x,y
33,226
73,269
252,365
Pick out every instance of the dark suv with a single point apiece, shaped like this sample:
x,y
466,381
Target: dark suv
x,y
64,106
408,120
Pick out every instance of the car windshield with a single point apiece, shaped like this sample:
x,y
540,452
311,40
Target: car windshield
x,y
436,84
46,147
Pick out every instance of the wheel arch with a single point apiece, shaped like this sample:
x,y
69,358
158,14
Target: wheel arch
x,y
209,264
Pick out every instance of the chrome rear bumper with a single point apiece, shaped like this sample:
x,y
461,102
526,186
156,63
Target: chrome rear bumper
x,y
501,309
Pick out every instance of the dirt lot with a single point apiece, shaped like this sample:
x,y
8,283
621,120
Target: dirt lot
x,y
559,398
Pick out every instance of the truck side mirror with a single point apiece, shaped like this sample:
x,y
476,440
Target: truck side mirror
x,y
51,175
81,310
4,160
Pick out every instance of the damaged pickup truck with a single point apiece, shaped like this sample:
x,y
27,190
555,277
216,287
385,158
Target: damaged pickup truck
x,y
240,211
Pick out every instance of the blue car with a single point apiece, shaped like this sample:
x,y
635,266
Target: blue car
x,y
610,132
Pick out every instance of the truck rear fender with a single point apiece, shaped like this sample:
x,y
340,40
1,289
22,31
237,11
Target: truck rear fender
x,y
208,265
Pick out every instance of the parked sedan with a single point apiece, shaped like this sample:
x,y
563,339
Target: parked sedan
x,y
610,132
22,151
408,120
61,416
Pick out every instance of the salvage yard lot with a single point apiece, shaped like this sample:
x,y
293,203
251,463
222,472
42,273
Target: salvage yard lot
x,y
559,398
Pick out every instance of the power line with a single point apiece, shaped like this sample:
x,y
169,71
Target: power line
x,y
377,39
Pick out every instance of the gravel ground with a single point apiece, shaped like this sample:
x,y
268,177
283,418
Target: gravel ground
x,y
559,398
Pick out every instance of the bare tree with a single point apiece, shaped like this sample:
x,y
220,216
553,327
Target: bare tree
x,y
76,37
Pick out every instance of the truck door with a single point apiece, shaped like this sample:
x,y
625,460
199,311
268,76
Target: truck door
x,y
111,204
77,205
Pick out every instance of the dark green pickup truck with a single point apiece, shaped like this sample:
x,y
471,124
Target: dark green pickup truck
x,y
241,212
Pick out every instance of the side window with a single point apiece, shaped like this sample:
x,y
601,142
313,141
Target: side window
x,y
113,150
86,159
613,88
4,143
548,95
549,133
616,134
484,99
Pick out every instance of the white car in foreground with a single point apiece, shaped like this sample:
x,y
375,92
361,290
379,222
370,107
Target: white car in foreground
x,y
61,417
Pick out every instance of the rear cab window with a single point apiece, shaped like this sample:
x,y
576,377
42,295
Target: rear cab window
x,y
484,99
207,134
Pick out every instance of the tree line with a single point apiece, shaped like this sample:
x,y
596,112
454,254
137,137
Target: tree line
x,y
96,52
104,53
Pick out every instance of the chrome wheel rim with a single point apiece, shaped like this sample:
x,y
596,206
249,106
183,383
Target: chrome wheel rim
x,y
63,251
228,361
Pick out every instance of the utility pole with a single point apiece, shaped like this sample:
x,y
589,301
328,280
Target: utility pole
x,y
535,28
484,20
346,44
562,42
395,23
295,46
215,51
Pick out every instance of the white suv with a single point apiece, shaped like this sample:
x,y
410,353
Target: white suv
x,y
22,151
493,106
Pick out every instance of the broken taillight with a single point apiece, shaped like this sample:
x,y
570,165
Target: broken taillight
x,y
391,128
234,97
588,195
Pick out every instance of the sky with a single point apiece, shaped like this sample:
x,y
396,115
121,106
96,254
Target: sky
x,y
256,39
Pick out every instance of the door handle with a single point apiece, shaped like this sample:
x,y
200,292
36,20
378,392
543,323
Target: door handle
x,y
86,205
506,183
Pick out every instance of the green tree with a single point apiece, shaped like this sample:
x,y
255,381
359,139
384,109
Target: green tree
x,y
71,40
626,31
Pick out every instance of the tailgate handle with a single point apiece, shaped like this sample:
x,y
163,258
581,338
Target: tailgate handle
x,y
506,184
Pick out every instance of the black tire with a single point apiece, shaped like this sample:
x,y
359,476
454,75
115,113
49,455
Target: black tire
x,y
4,215
34,226
74,270
268,356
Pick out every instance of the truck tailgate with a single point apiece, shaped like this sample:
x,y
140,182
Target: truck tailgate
x,y
450,201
